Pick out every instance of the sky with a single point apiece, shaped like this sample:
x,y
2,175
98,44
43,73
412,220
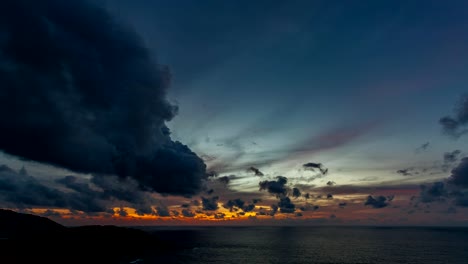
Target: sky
x,y
235,113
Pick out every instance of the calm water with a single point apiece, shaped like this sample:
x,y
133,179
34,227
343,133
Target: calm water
x,y
349,245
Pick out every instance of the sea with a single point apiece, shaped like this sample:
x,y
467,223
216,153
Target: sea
x,y
324,245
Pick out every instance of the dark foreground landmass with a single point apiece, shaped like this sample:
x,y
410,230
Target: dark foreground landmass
x,y
26,238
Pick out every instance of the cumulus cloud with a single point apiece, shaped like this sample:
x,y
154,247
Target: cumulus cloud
x,y
286,206
377,202
79,90
277,187
163,211
296,193
187,213
455,126
210,204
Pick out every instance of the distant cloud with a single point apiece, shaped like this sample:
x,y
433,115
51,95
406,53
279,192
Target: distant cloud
x,y
277,187
331,183
256,171
434,192
162,211
224,179
449,159
422,148
187,213
455,126
312,165
377,202
405,172
296,193
210,204
286,206
232,204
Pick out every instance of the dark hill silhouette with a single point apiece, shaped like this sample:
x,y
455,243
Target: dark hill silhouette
x,y
15,225
27,238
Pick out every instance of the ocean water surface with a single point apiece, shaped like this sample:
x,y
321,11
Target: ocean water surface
x,y
347,245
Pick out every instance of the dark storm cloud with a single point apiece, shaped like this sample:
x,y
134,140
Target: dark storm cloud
x,y
312,166
80,91
256,171
455,126
21,190
210,204
275,187
122,189
377,202
459,175
24,191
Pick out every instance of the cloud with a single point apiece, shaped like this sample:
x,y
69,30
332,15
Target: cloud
x,y
434,192
455,126
256,171
96,195
296,193
422,148
459,176
311,166
377,202
162,211
187,213
405,172
210,204
451,157
24,191
275,187
231,204
331,183
122,212
225,180
79,90
286,206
